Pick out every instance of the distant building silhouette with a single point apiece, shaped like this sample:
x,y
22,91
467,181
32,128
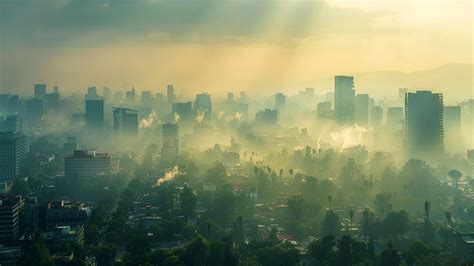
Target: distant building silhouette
x,y
40,91
266,117
85,165
184,110
280,101
395,118
452,120
344,97
424,123
170,96
324,110
376,116
203,105
94,115
125,121
35,110
130,96
362,110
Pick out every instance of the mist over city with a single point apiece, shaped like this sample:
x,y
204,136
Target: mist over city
x,y
208,132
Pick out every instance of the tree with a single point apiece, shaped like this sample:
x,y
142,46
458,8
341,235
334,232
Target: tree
x,y
396,223
196,252
188,202
390,257
382,204
345,251
104,254
455,176
36,253
322,249
351,217
279,255
330,224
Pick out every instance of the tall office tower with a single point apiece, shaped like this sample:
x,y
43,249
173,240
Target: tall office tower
x,y
4,103
106,93
280,101
13,123
395,118
424,123
203,106
401,94
35,110
51,101
230,97
13,149
243,97
126,121
118,96
147,98
40,91
130,96
170,96
92,94
267,117
324,111
10,218
376,116
13,104
84,165
160,97
344,95
170,142
452,120
183,110
361,116
94,115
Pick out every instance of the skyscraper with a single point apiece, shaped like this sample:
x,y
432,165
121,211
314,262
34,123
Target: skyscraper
x,y
10,218
376,116
94,115
51,101
362,110
424,123
395,118
323,110
130,96
267,117
35,110
344,95
13,148
170,96
203,106
452,120
183,110
280,101
125,121
170,142
40,91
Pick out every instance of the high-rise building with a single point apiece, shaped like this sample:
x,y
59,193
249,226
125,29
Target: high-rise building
x,y
92,94
70,145
243,97
40,91
424,122
130,96
452,120
230,97
147,98
395,118
10,207
267,117
203,106
170,142
84,165
95,115
106,93
280,101
13,149
126,121
376,116
362,110
35,110
13,123
51,101
13,104
4,103
184,110
344,98
170,96
324,110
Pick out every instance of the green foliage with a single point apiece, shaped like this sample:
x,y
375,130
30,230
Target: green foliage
x,y
330,224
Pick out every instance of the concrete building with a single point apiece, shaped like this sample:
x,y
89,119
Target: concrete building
x,y
52,101
13,149
170,142
170,96
184,110
266,117
452,120
83,165
62,213
361,109
35,110
395,118
376,116
324,111
94,115
125,121
39,91
203,106
280,101
424,123
344,99
10,208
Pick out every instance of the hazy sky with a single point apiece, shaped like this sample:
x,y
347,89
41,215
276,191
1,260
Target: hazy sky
x,y
221,44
